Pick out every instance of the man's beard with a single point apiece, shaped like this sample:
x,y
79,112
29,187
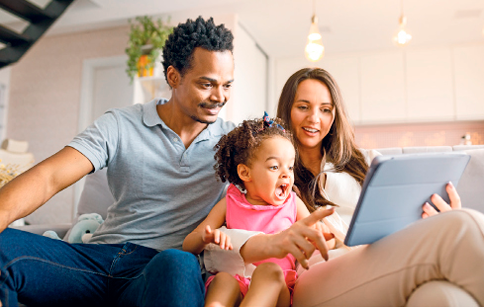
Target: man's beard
x,y
207,105
201,120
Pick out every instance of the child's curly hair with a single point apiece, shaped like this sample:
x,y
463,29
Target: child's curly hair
x,y
238,146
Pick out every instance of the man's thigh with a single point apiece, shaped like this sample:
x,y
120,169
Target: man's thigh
x,y
171,278
38,270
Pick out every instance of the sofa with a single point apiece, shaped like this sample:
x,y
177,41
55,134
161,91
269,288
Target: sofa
x,y
96,198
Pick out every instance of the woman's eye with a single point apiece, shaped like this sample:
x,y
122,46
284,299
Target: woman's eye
x,y
302,108
326,110
291,168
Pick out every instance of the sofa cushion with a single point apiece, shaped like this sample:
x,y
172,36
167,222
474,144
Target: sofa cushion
x,y
424,149
470,187
390,151
466,147
96,196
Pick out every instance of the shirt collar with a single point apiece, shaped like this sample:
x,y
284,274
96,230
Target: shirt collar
x,y
150,114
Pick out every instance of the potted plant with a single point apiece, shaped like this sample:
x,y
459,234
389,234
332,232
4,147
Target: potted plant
x,y
146,39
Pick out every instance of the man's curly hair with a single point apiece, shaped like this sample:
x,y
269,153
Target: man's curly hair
x,y
239,145
180,45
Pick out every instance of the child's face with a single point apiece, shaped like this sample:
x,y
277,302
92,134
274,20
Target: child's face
x,y
271,172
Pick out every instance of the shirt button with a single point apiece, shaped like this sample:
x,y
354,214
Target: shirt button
x,y
175,140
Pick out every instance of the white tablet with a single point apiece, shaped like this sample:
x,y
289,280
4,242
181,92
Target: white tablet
x,y
396,187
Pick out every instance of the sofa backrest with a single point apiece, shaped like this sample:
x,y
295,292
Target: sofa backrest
x,y
96,196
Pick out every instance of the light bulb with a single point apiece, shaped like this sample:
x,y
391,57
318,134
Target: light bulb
x,y
314,48
314,51
402,37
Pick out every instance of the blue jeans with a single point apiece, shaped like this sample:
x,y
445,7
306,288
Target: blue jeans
x,y
37,270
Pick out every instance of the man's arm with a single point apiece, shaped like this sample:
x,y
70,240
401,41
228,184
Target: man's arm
x,y
32,189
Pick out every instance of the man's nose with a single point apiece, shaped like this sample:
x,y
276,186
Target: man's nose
x,y
218,94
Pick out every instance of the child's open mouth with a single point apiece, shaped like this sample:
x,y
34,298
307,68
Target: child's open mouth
x,y
281,191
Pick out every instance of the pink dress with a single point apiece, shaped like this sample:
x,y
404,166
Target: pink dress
x,y
268,219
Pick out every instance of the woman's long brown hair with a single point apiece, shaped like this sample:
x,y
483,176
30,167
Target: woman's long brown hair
x,y
338,146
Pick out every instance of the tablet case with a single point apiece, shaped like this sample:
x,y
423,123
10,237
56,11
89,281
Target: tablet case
x,y
396,187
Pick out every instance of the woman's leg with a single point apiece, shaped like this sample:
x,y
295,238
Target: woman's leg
x,y
224,290
449,246
440,293
267,287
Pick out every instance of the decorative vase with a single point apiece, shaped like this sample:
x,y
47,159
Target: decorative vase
x,y
145,64
145,68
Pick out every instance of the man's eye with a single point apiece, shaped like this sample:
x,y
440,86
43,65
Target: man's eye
x,y
227,86
207,85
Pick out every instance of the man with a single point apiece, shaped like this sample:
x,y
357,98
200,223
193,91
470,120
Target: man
x,y
160,171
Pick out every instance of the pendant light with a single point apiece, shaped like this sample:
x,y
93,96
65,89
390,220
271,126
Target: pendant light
x,y
402,37
314,48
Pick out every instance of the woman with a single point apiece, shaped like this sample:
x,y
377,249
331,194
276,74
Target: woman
x,y
437,261
330,170
312,107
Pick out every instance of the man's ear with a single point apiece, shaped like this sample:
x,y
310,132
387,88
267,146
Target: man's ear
x,y
173,76
244,173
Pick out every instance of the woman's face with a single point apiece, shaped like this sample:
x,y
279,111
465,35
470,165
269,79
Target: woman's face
x,y
312,113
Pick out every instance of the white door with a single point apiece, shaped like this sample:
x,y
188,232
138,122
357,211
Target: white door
x,y
105,85
111,89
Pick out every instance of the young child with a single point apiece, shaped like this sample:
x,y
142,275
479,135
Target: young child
x,y
257,158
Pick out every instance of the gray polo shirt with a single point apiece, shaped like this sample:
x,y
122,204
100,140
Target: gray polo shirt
x,y
162,190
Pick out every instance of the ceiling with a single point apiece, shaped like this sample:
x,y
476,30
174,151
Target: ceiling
x,y
281,26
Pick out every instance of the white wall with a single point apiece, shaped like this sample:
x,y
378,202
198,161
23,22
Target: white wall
x,y
433,84
251,78
5,81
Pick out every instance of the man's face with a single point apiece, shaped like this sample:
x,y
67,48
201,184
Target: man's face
x,y
205,88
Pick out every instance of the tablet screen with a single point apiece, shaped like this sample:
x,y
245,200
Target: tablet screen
x,y
395,189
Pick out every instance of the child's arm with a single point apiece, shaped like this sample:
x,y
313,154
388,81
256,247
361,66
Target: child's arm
x,y
302,212
207,231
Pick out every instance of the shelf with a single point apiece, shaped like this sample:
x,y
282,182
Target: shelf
x,y
152,86
148,88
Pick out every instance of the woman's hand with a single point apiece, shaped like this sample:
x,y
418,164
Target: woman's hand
x,y
217,237
441,204
321,227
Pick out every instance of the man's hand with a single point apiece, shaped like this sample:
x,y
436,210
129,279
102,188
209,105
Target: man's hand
x,y
303,238
217,237
455,203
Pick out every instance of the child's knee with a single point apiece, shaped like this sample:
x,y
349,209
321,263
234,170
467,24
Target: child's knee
x,y
269,270
224,278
